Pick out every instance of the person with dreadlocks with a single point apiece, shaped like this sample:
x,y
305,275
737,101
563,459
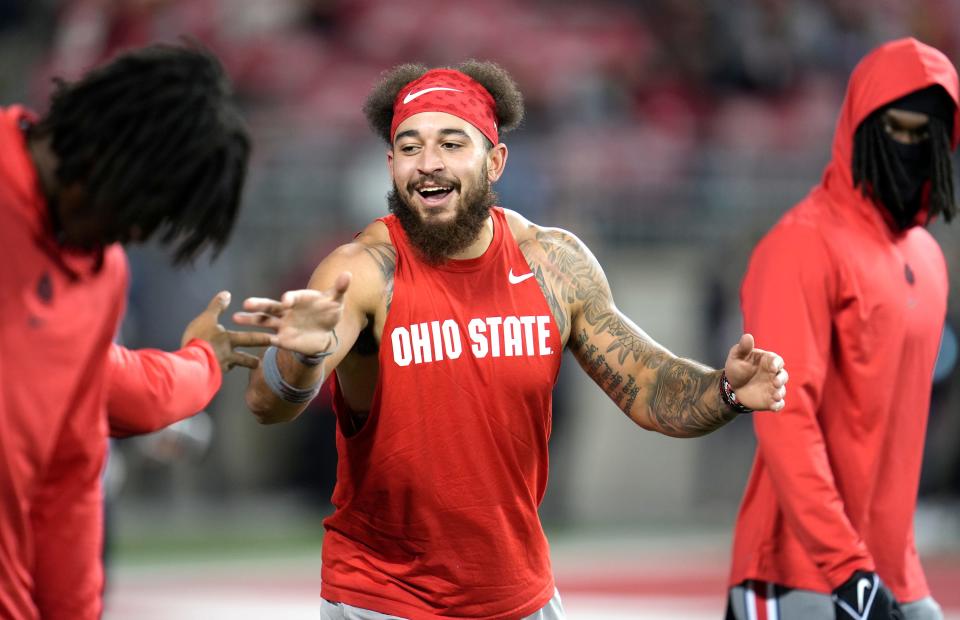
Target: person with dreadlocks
x,y
150,144
442,326
851,288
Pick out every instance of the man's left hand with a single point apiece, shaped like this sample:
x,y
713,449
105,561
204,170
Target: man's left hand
x,y
757,377
223,341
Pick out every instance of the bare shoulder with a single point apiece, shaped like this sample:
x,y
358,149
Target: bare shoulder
x,y
375,232
367,250
553,249
562,264
374,241
370,258
533,238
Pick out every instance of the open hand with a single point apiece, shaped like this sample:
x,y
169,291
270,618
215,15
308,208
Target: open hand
x,y
302,321
756,376
206,326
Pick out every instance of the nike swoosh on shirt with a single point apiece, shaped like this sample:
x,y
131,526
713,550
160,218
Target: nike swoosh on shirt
x,y
411,96
518,279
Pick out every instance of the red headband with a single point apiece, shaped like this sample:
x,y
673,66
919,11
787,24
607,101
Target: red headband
x,y
446,90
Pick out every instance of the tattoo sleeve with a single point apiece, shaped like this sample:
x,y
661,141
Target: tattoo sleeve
x,y
657,389
385,256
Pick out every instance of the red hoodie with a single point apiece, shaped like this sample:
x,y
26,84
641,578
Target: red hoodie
x,y
152,389
856,309
60,311
58,370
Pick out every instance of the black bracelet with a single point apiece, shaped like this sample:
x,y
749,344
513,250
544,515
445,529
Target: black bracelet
x,y
316,358
729,398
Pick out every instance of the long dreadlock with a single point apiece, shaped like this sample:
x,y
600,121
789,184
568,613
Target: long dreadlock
x,y
876,166
942,200
156,142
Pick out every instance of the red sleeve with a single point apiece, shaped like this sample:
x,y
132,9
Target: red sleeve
x,y
787,298
151,389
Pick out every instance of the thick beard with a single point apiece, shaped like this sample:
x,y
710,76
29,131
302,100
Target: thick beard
x,y
437,242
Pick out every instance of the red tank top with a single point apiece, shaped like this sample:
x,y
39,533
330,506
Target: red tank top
x,y
437,495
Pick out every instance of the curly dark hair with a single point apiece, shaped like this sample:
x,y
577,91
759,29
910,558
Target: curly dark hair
x,y
155,139
509,102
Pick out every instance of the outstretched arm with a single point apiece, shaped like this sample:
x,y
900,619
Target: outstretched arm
x,y
657,389
151,389
324,319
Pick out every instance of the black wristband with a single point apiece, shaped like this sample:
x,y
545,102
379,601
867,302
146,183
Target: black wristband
x,y
729,398
316,358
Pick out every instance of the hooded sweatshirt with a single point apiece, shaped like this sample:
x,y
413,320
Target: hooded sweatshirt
x,y
856,308
59,373
60,311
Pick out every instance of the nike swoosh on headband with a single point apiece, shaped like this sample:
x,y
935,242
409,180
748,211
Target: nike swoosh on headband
x,y
411,96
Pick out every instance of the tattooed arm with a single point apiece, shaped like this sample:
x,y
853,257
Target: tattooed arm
x,y
348,293
658,390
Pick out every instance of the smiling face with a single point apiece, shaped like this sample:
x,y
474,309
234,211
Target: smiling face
x,y
442,171
436,159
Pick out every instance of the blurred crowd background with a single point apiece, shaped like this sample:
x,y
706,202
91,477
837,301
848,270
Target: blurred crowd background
x,y
668,134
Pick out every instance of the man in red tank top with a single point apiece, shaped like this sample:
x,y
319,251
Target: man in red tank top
x,y
443,325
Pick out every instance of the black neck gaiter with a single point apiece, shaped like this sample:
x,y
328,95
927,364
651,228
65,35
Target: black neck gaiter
x,y
911,169
898,183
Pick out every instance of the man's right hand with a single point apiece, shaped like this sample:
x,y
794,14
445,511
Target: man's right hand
x,y
865,597
303,321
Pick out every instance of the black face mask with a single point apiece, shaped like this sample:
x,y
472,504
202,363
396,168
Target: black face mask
x,y
911,166
901,191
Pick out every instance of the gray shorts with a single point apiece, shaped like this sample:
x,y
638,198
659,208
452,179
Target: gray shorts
x,y
774,602
329,610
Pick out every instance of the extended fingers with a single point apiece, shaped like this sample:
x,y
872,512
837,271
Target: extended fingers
x,y
248,339
219,303
333,295
292,298
263,304
256,319
239,358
